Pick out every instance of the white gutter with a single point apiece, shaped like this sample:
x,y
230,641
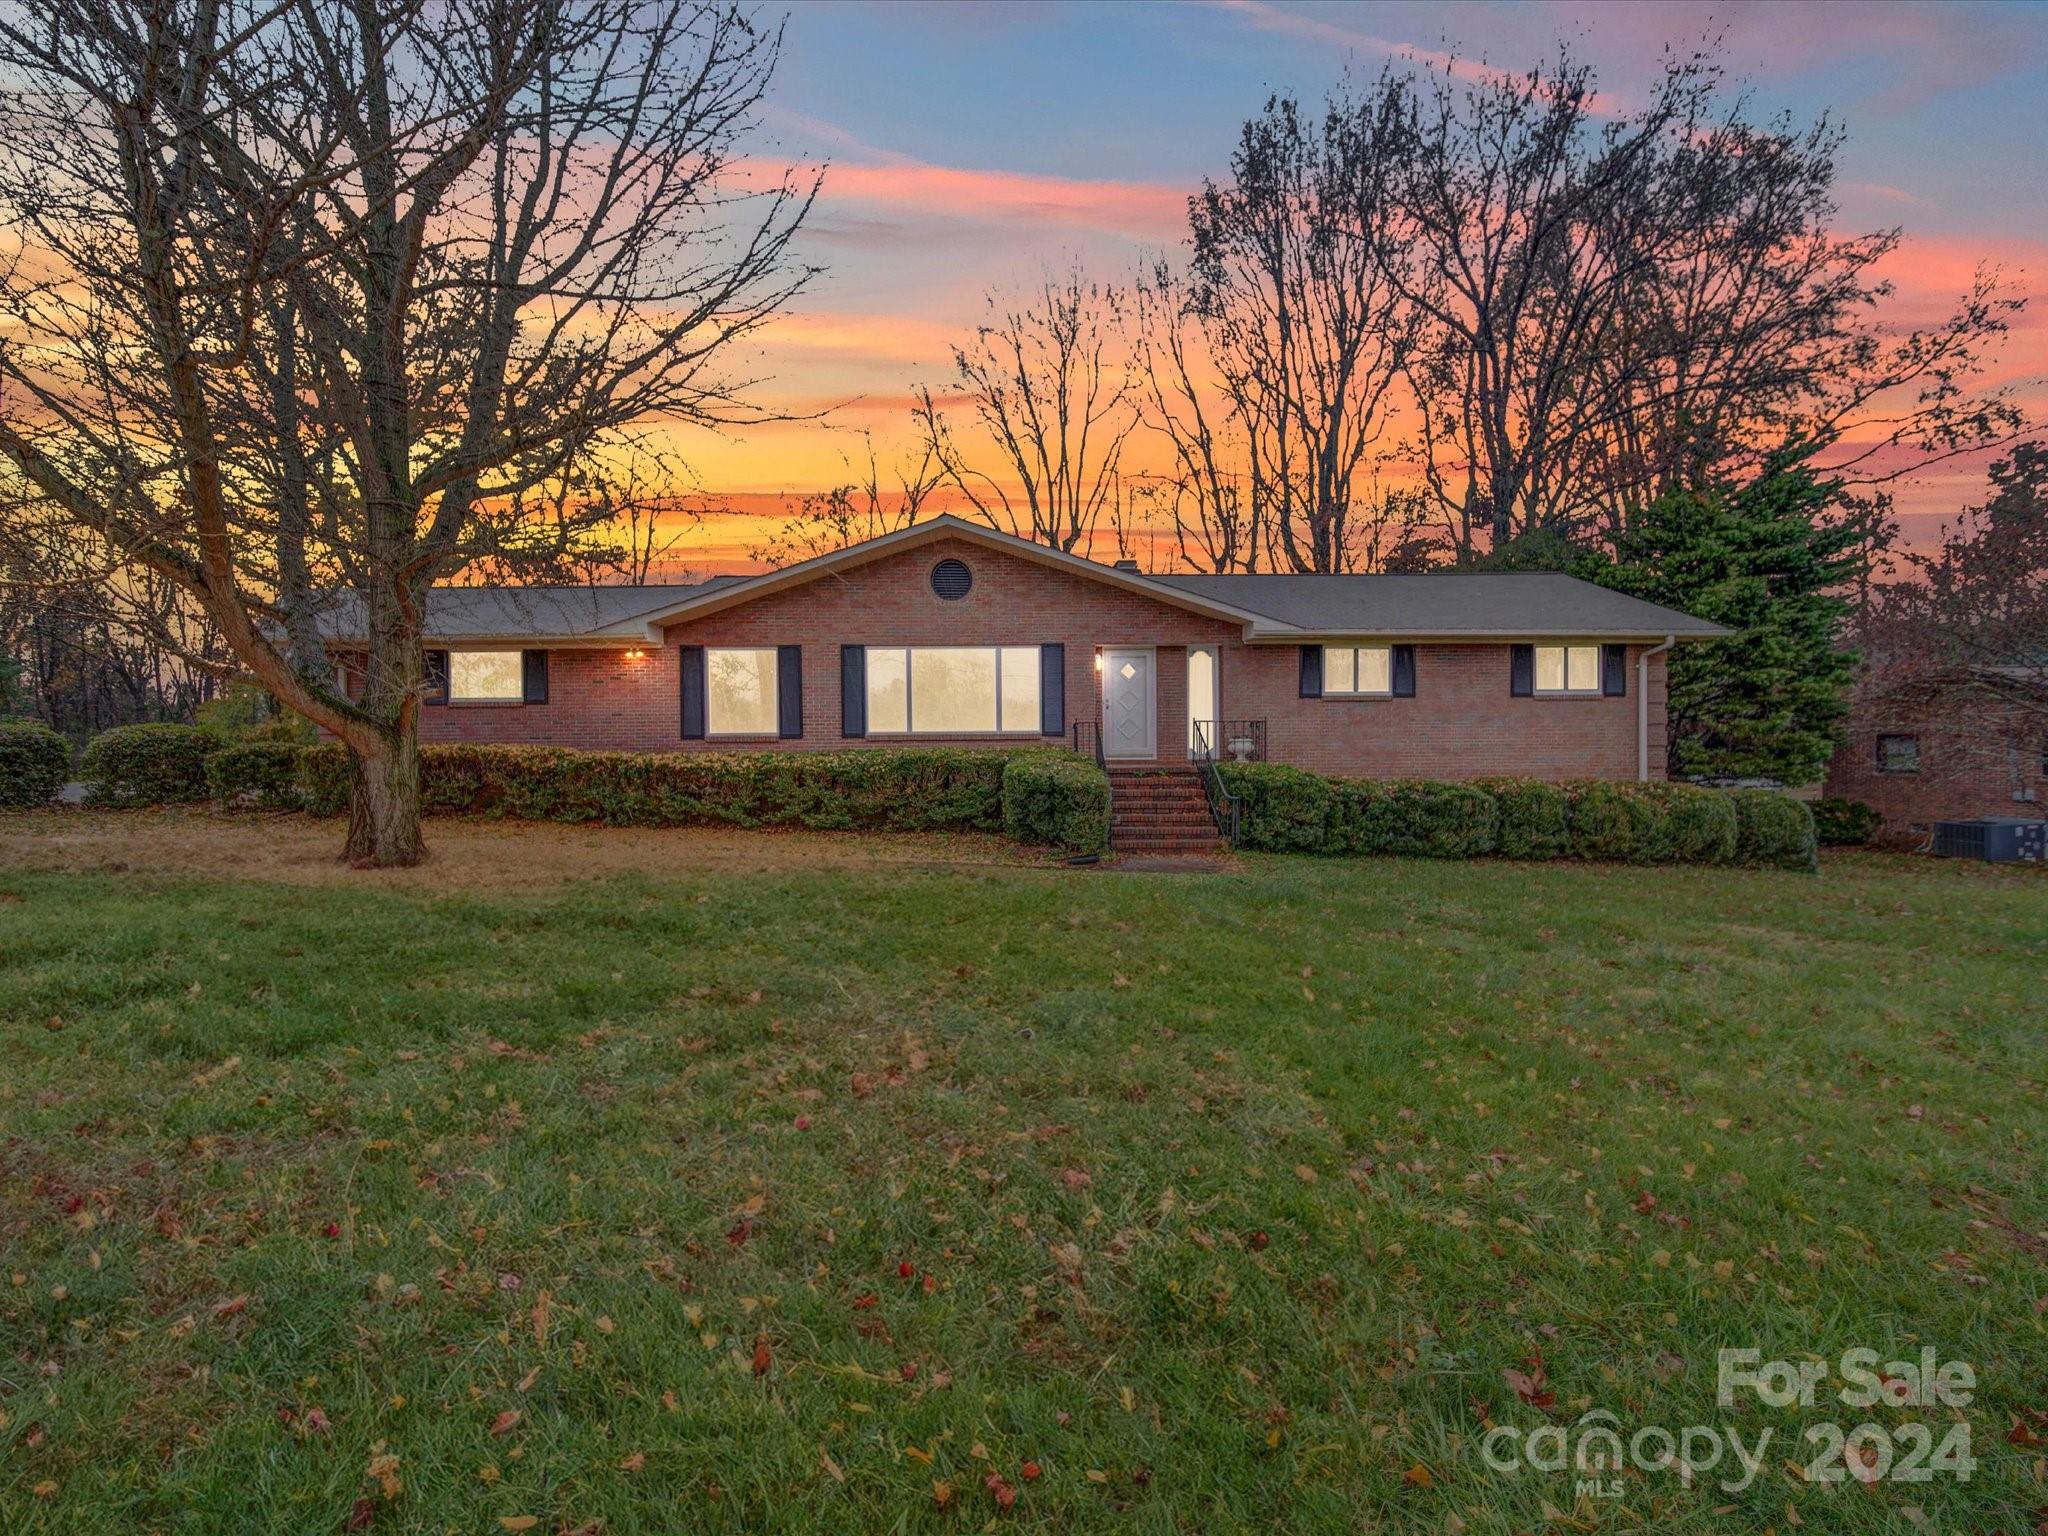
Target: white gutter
x,y
1643,707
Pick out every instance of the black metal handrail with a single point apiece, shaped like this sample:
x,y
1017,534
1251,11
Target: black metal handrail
x,y
1225,808
1088,741
1238,741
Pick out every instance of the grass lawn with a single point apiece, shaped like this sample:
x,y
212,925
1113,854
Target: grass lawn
x,y
816,1194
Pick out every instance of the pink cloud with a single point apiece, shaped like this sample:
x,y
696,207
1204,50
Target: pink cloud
x,y
1141,210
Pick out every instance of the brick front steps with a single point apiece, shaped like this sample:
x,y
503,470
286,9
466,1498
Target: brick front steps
x,y
1159,810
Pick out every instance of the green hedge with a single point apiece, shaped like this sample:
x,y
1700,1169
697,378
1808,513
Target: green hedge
x,y
908,790
1059,799
1286,810
1840,823
1289,811
146,765
1421,818
1532,818
34,761
262,774
1773,831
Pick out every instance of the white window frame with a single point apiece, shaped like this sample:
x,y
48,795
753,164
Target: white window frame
x,y
1568,691
1036,726
773,728
518,694
1354,691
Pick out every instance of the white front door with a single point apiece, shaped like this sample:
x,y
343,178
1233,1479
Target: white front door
x,y
1130,717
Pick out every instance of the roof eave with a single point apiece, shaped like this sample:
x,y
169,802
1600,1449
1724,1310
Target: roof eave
x,y
1257,636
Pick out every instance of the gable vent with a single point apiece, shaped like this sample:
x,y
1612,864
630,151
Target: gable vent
x,y
951,579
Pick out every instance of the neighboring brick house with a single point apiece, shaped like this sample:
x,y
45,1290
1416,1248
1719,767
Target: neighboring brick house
x,y
1964,753
949,633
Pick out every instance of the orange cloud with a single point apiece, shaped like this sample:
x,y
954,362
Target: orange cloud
x,y
1141,210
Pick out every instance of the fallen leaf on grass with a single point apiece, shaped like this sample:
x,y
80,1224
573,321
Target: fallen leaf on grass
x,y
1529,1385
505,1422
831,1467
1419,1476
634,1462
519,1522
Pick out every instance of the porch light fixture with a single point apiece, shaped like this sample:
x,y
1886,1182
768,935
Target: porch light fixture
x,y
1098,661
636,655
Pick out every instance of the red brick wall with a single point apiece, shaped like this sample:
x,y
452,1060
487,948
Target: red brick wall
x,y
1461,724
1963,774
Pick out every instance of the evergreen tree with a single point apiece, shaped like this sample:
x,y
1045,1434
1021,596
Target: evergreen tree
x,y
1764,559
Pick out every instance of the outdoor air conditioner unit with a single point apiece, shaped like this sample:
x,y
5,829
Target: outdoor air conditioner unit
x,y
1995,839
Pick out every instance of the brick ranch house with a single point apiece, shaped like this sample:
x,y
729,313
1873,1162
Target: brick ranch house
x,y
949,633
1953,754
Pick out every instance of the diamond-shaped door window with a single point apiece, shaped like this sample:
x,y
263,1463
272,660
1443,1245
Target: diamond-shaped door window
x,y
1129,670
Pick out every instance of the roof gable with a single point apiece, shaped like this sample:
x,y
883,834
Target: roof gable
x,y
944,526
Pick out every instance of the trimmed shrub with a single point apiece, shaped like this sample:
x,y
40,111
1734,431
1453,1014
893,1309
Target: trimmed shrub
x,y
1532,818
1772,830
1840,823
1419,818
34,762
259,774
911,790
1286,810
1702,822
1608,821
325,776
1060,799
245,711
146,765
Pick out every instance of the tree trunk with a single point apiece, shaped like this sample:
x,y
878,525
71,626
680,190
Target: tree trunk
x,y
384,806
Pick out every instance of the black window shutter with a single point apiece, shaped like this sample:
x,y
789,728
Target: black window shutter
x,y
789,691
533,669
1404,671
1052,690
1311,671
853,690
692,659
1614,670
437,677
1522,670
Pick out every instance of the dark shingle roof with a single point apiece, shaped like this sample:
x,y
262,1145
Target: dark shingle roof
x,y
1437,604
1518,604
529,613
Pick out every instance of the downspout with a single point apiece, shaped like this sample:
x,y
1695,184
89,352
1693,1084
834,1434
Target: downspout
x,y
1643,707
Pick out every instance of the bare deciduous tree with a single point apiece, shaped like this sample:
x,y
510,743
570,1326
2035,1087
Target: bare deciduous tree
x,y
335,293
856,510
1618,306
1291,279
1050,388
1216,522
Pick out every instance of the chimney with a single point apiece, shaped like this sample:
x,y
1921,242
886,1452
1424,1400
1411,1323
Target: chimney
x,y
1128,564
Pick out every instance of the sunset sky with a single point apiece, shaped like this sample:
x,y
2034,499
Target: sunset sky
x,y
970,146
